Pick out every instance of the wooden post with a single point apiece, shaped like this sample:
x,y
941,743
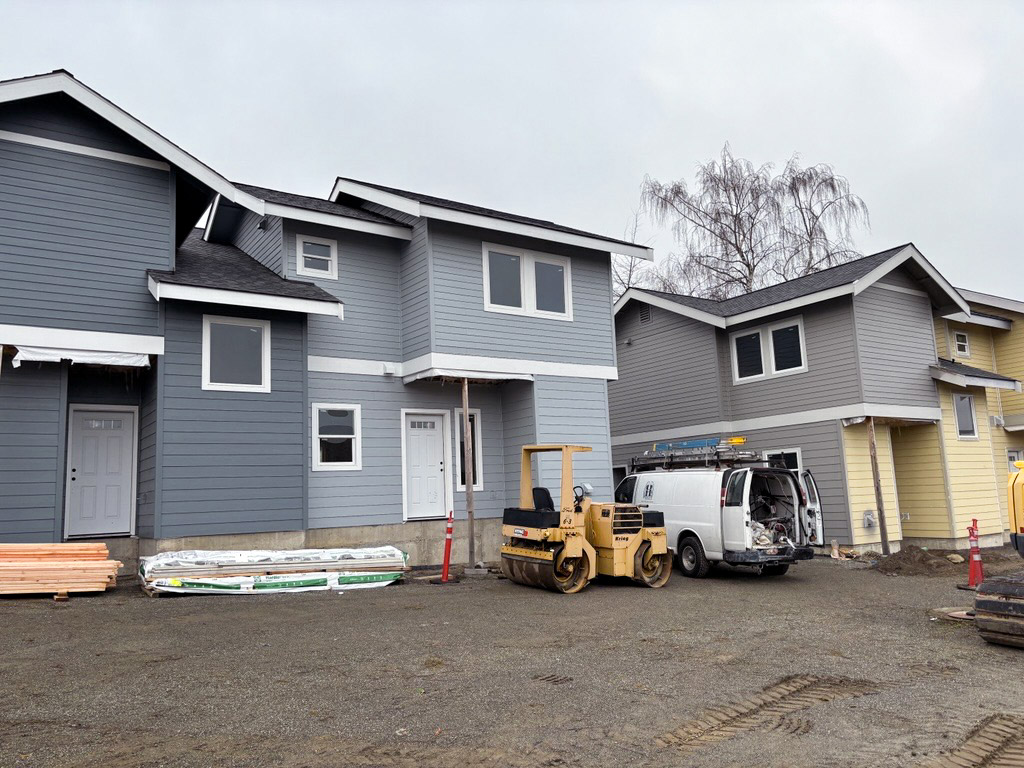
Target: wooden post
x,y
877,478
467,463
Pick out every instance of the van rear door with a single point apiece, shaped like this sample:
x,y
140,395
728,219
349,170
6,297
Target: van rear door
x,y
736,512
812,526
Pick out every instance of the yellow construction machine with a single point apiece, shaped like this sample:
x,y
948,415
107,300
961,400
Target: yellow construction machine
x,y
999,601
563,548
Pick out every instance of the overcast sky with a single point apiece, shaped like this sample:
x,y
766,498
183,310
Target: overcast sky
x,y
558,109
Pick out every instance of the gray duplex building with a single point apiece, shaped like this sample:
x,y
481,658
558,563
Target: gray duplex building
x,y
286,375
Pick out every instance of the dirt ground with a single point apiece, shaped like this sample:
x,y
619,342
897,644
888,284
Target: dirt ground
x,y
833,664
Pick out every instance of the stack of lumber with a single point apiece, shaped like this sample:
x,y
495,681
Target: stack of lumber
x,y
57,569
269,571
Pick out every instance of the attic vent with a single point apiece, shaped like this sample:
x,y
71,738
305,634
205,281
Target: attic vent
x,y
645,314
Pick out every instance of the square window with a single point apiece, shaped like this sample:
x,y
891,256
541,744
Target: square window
x,y
337,441
747,355
962,343
521,282
316,257
478,450
236,354
963,407
787,348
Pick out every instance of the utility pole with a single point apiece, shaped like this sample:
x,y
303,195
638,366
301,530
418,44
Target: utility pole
x,y
876,476
467,463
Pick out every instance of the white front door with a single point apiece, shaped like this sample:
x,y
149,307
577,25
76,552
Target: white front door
x,y
425,470
101,473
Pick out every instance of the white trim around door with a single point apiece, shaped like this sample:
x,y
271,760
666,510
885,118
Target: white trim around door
x,y
133,493
447,451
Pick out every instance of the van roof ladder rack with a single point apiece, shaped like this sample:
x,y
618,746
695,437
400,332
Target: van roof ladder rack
x,y
710,452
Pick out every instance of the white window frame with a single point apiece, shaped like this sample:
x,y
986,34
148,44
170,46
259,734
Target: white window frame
x,y
300,268
798,321
797,451
478,450
527,282
244,321
357,448
956,344
736,378
974,418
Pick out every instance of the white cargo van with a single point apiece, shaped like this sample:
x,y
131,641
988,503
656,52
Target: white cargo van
x,y
762,517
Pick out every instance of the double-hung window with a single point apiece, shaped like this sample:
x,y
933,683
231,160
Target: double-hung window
x,y
475,432
337,436
966,421
772,350
316,257
962,343
236,354
522,282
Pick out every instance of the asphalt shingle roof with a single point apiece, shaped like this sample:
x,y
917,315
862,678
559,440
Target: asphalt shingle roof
x,y
453,205
211,265
833,277
969,370
314,204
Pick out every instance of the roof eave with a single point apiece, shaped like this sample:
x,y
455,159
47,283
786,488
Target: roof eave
x,y
974,319
907,253
988,300
669,305
164,290
964,381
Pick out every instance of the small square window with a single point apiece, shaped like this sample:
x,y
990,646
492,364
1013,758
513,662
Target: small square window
x,y
316,257
966,424
236,354
963,344
337,441
747,355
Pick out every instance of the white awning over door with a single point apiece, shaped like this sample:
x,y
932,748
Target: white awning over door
x,y
52,355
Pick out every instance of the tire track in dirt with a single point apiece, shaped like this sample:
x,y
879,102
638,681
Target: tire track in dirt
x,y
996,742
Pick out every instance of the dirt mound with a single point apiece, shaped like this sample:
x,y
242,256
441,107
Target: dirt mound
x,y
911,560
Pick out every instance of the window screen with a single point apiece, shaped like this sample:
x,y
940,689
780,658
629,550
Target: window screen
x,y
748,355
550,287
505,283
964,407
236,354
336,435
786,348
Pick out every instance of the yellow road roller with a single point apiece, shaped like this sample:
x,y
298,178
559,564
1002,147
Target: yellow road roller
x,y
562,548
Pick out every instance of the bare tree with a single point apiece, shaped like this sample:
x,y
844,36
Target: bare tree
x,y
741,228
629,271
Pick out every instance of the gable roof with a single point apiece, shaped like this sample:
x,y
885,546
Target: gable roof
x,y
429,206
850,278
223,274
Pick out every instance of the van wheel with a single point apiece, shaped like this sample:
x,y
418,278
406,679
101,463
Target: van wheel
x,y
691,558
774,570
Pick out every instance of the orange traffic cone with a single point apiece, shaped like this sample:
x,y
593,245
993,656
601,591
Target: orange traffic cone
x,y
975,573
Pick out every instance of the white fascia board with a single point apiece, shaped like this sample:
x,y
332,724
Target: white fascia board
x,y
669,305
739,426
374,195
339,222
94,341
791,304
320,364
474,363
988,300
61,82
911,252
989,322
210,218
532,230
453,373
244,299
963,380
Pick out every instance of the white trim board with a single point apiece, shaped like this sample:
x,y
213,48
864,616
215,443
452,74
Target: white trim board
x,y
81,149
63,82
856,410
425,210
93,341
338,221
243,299
448,451
963,380
989,322
988,300
464,365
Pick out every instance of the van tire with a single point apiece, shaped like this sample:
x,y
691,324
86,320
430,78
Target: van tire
x,y
775,570
691,558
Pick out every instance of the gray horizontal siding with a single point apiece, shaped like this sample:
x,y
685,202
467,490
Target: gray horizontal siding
x,y
415,289
820,446
77,235
60,118
575,411
832,377
265,245
31,455
668,372
896,343
520,428
462,326
232,462
369,285
373,494
146,505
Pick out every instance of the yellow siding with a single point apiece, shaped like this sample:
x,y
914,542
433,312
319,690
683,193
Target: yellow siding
x,y
1009,356
1002,441
941,345
860,484
972,473
979,339
920,482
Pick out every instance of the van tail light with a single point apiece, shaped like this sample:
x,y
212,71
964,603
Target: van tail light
x,y
722,503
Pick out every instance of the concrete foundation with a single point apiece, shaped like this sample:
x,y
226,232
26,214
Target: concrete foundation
x,y
961,542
